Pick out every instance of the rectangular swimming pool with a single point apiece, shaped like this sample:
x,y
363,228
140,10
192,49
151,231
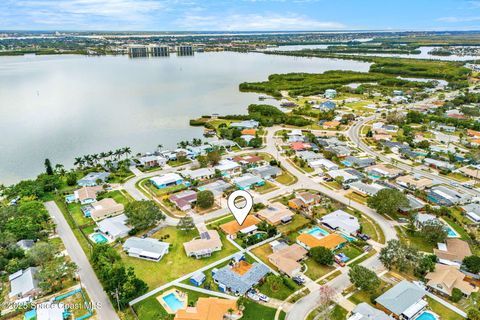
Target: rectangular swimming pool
x,y
317,232
173,302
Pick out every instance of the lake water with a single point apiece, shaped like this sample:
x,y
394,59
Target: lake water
x,y
60,107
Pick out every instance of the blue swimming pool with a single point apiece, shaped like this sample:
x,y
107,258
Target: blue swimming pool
x,y
348,238
317,232
451,233
173,302
70,198
98,238
425,315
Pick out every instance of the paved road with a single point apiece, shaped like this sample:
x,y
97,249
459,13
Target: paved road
x,y
87,275
354,135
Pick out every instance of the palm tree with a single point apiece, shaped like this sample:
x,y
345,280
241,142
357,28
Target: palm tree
x,y
103,155
110,153
59,169
230,312
95,158
127,151
78,162
117,153
160,147
88,160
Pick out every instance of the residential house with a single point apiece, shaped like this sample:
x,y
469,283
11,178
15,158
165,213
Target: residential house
x,y
304,200
331,241
473,133
146,248
50,310
300,146
444,196
248,181
382,137
345,175
275,213
210,308
184,200
288,258
339,150
438,164
472,211
232,228
341,221
331,124
327,106
330,93
249,160
25,244
222,143
309,155
452,252
247,124
445,278
424,218
324,163
217,187
383,170
403,301
23,284
198,174
166,180
414,182
150,160
93,178
364,189
267,172
199,150
249,132
364,311
115,227
470,171
86,195
198,278
239,277
446,128
414,204
105,208
208,243
228,168
351,161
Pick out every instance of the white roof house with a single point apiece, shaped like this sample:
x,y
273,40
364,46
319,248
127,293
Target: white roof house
x,y
347,177
166,179
342,221
201,173
115,227
227,165
50,311
146,248
23,283
325,163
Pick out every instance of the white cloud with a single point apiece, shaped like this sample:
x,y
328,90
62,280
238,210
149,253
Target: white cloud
x,y
458,19
250,22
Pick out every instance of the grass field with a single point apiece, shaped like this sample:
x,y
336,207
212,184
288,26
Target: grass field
x,y
267,187
280,290
444,312
338,313
414,239
255,311
298,222
175,263
362,296
316,270
286,178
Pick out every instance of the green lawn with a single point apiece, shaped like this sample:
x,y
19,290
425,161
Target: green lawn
x,y
443,312
316,270
350,251
279,291
119,196
362,296
175,263
267,187
255,311
365,257
414,239
262,252
372,229
286,178
151,309
161,192
177,163
338,313
77,214
298,222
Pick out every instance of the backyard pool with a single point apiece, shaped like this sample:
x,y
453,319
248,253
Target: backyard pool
x,y
426,315
316,232
70,198
173,302
451,233
98,238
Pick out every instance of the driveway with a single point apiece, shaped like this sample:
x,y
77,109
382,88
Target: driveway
x,y
88,277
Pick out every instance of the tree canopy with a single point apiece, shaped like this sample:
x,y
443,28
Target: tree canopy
x,y
143,214
364,279
388,201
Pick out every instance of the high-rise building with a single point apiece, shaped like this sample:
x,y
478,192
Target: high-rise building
x,y
159,51
136,51
185,50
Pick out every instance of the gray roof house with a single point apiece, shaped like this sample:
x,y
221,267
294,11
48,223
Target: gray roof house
x,y
146,248
229,280
342,221
91,179
25,244
364,311
267,172
115,227
23,283
403,300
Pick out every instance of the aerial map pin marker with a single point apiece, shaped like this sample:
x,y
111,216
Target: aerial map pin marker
x,y
240,214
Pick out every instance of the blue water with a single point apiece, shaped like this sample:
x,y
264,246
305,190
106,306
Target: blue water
x,y
349,239
70,198
317,232
99,238
426,316
172,301
451,233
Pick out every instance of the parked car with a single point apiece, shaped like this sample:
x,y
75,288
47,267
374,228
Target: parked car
x,y
252,294
363,236
299,280
263,297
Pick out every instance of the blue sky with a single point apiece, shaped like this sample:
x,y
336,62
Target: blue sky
x,y
239,15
